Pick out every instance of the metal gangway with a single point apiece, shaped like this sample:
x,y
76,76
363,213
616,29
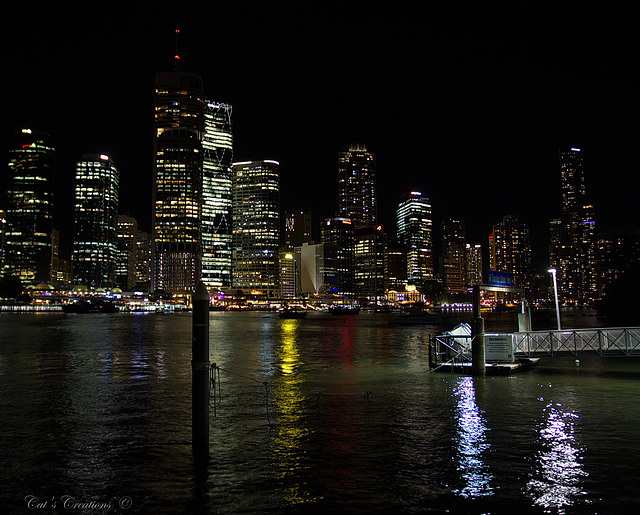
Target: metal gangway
x,y
613,341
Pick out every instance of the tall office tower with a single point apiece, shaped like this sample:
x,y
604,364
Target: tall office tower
x,y
574,252
369,251
143,257
337,235
177,182
96,217
415,231
396,267
287,273
256,225
297,229
357,186
510,250
30,206
216,196
474,264
126,252
3,239
454,256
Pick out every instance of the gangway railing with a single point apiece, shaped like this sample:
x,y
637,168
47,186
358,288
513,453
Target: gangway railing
x,y
620,341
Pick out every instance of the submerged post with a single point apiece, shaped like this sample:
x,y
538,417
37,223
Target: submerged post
x,y
200,375
478,361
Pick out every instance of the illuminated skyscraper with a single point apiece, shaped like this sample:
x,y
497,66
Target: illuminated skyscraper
x,y
474,264
574,241
337,235
96,217
454,256
510,250
357,199
256,225
126,252
30,206
178,182
415,231
216,196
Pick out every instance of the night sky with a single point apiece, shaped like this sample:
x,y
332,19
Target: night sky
x,y
466,102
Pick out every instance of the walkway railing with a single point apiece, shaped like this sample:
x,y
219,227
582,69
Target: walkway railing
x,y
620,341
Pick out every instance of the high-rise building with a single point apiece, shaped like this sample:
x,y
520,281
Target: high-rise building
x,y
337,236
178,181
143,257
96,216
510,250
287,273
126,252
256,225
474,264
357,199
297,229
216,196
574,252
415,231
454,257
30,206
369,252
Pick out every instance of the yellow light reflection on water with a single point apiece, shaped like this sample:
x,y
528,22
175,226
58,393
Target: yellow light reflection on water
x,y
290,430
472,443
559,470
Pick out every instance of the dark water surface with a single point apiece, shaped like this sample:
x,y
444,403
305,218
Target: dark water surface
x,y
95,417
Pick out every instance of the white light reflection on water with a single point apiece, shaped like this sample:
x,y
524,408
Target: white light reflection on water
x,y
556,482
471,443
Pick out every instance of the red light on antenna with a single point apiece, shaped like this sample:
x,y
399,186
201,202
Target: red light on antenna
x,y
177,31
177,57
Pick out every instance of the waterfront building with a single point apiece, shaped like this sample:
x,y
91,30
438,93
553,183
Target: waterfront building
x,y
177,182
454,266
126,252
29,212
311,271
287,273
396,267
357,198
474,264
369,252
96,215
256,225
415,231
510,250
574,243
216,196
337,235
3,239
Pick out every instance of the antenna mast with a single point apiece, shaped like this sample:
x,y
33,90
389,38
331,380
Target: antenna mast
x,y
176,56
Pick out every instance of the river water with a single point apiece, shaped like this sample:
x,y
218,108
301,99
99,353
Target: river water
x,y
321,415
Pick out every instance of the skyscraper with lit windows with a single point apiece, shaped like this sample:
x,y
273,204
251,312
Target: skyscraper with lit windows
x,y
357,198
216,196
178,182
574,240
510,250
96,217
415,231
30,206
256,226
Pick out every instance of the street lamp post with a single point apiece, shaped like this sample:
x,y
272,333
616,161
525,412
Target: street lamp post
x,y
552,271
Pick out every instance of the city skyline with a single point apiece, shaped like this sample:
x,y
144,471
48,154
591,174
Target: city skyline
x,y
469,108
